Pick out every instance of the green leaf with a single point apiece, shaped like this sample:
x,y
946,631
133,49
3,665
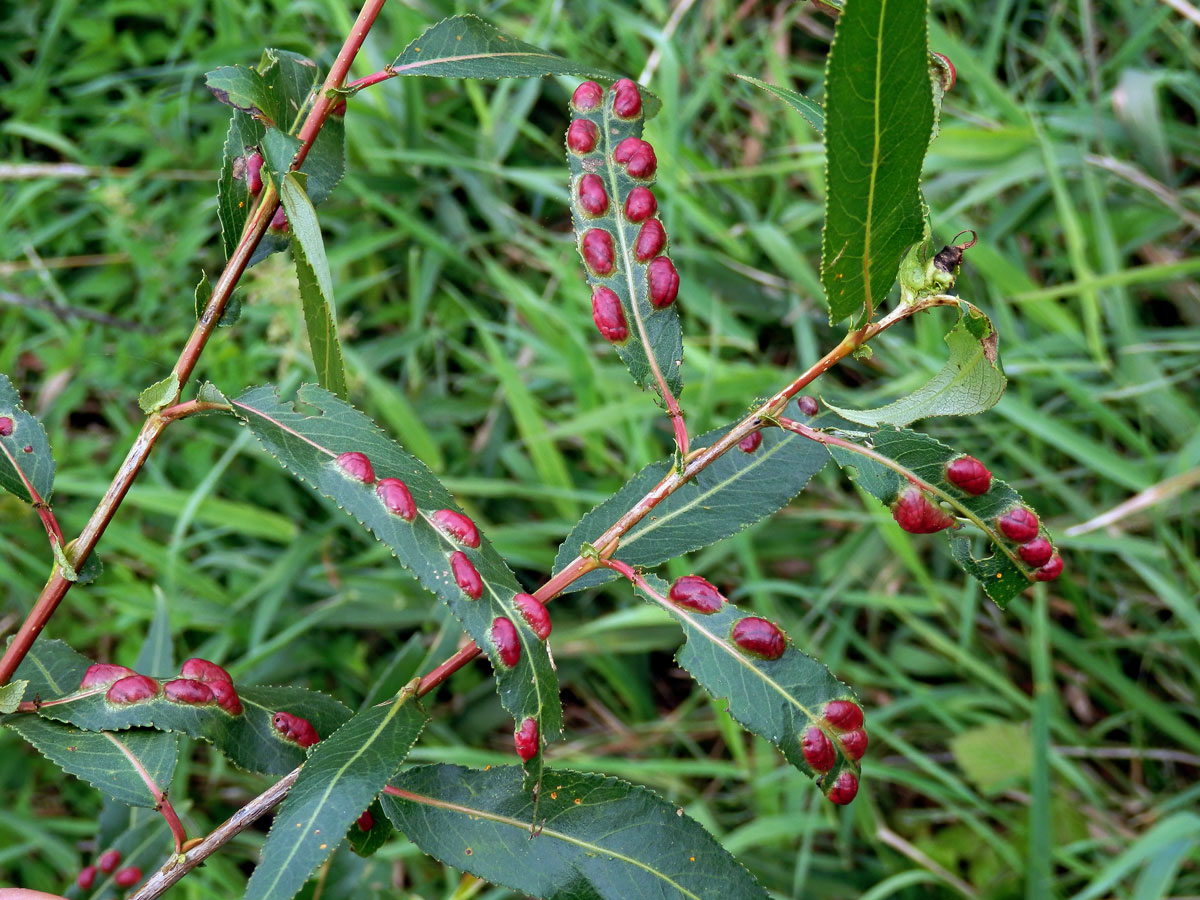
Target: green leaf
x,y
341,778
11,695
159,395
245,90
52,669
779,699
995,756
971,382
123,766
812,111
233,306
316,285
26,464
467,47
878,119
886,460
596,838
734,492
655,339
308,443
367,843
289,79
250,740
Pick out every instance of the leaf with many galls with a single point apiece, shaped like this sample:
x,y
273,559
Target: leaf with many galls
x,y
737,490
434,540
772,689
931,486
26,464
633,284
69,688
594,836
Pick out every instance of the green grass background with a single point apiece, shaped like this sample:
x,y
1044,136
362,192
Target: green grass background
x,y
1049,751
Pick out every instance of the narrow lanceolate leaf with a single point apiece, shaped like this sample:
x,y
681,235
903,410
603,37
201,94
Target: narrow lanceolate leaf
x,y
971,382
341,778
316,285
133,767
878,118
734,492
282,85
468,47
780,699
889,459
249,739
26,464
309,442
597,838
812,111
647,337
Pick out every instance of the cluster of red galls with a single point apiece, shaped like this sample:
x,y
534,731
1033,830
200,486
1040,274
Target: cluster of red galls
x,y
107,863
200,683
915,512
762,639
596,244
398,500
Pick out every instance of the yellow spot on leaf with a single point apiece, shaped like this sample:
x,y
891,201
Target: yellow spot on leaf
x,y
554,795
577,801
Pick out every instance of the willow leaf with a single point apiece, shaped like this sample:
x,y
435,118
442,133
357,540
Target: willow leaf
x,y
249,739
812,111
307,444
133,767
468,47
316,285
779,699
341,778
654,336
734,492
284,82
26,463
878,119
886,460
596,838
971,382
